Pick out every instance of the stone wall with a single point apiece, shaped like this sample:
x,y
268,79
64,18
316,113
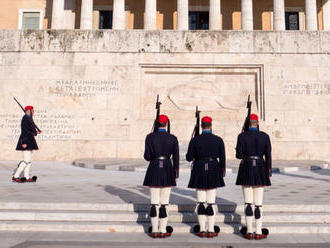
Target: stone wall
x,y
94,91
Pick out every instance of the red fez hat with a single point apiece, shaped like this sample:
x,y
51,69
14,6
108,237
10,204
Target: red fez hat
x,y
254,117
28,107
163,119
206,119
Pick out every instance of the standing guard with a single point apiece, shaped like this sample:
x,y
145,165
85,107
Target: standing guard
x,y
161,149
254,149
26,144
206,175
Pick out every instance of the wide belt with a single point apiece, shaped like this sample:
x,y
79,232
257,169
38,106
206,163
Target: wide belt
x,y
162,158
254,160
253,157
207,159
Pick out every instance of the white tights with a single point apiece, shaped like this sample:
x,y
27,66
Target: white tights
x,y
24,165
207,198
160,197
254,196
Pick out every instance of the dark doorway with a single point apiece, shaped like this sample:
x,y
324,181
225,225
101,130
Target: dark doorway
x,y
291,20
198,20
105,21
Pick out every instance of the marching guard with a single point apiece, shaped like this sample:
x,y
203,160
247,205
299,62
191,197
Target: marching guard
x,y
26,144
254,149
162,151
207,151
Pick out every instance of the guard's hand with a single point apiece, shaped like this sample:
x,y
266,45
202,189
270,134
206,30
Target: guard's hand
x,y
24,146
39,132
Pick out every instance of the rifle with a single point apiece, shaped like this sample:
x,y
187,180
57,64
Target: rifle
x,y
197,125
246,125
31,120
156,123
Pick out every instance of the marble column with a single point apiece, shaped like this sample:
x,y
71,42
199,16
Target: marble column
x,y
215,15
311,14
150,16
119,15
183,15
86,21
279,15
247,14
326,15
57,14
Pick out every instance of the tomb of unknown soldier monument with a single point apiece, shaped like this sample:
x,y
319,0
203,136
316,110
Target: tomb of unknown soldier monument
x,y
92,70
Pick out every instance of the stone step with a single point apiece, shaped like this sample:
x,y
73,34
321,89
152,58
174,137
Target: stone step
x,y
145,207
174,217
140,165
101,227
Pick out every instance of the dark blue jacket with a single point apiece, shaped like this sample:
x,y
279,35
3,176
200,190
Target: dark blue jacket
x,y
162,144
207,145
28,131
255,143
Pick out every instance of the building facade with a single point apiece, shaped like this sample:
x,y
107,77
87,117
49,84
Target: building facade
x,y
169,14
93,69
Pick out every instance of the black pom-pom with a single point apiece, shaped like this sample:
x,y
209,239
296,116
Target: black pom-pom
x,y
150,229
153,212
265,231
257,213
209,210
23,179
201,209
162,212
248,210
216,229
197,229
34,178
243,230
169,229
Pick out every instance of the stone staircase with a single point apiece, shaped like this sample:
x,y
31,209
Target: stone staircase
x,y
86,217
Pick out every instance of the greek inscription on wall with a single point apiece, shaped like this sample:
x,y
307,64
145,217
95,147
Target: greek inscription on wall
x,y
85,88
306,88
54,126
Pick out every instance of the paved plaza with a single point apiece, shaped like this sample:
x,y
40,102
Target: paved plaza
x,y
62,182
74,240
63,186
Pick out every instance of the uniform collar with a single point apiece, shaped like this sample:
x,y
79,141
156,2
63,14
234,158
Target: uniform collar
x,y
206,131
161,130
253,129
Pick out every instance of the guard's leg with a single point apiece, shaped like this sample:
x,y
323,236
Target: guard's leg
x,y
154,211
163,211
28,160
201,212
258,193
21,166
211,212
248,198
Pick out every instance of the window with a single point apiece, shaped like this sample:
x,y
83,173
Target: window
x,y
105,21
198,20
292,20
31,20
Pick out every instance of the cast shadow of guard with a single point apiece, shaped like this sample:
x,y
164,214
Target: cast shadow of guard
x,y
225,207
179,196
140,202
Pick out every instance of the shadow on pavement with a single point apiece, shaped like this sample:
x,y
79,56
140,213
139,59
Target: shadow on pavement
x,y
321,172
128,196
225,207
